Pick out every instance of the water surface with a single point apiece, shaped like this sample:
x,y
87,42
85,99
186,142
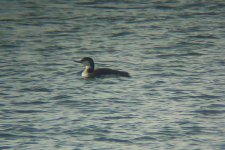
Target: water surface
x,y
174,51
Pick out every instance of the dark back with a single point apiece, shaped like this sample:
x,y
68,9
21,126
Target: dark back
x,y
106,71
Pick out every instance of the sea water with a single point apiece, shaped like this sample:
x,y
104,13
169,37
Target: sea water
x,y
174,51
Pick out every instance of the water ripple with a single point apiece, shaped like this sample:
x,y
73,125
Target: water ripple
x,y
174,51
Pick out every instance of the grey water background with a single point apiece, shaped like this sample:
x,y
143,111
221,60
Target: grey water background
x,y
173,49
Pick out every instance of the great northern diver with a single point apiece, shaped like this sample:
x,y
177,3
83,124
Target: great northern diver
x,y
91,72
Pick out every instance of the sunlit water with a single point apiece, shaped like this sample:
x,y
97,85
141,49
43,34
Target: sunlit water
x,y
174,51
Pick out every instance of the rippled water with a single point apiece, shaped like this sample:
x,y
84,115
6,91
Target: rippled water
x,y
174,51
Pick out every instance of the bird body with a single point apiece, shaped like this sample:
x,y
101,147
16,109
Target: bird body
x,y
91,72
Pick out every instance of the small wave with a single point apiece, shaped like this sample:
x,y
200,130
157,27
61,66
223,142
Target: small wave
x,y
2,105
7,135
36,89
207,36
61,97
5,147
29,103
180,55
210,112
206,96
144,138
217,106
121,34
10,135
28,111
118,117
112,140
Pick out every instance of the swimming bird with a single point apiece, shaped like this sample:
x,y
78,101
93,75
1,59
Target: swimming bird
x,y
91,72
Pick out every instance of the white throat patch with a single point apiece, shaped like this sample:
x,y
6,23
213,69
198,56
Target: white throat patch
x,y
85,73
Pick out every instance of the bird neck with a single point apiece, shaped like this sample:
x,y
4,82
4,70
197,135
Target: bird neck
x,y
88,72
92,66
89,69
